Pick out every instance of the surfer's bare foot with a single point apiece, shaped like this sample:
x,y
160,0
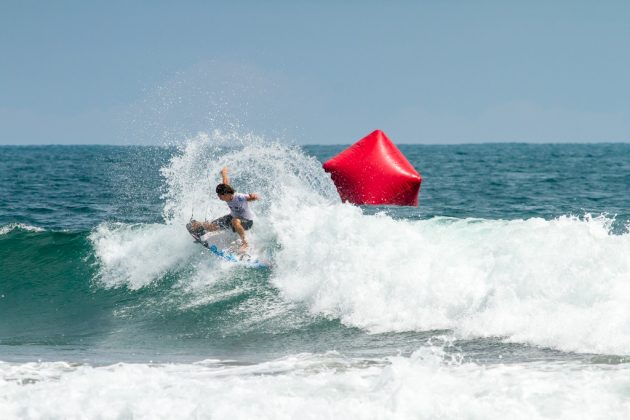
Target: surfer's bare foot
x,y
243,248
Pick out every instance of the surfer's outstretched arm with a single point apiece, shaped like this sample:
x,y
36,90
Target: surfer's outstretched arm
x,y
224,175
252,197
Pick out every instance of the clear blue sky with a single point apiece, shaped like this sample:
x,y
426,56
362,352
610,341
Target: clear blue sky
x,y
431,72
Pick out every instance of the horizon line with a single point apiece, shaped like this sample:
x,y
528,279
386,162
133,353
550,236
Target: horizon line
x,y
591,143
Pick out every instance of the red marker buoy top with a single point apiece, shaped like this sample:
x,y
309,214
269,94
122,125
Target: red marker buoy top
x,y
374,171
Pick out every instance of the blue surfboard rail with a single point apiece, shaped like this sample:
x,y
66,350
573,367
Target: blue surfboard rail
x,y
245,260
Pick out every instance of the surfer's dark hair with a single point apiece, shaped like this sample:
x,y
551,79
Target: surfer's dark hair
x,y
223,189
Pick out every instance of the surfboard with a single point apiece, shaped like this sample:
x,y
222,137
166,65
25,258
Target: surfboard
x,y
227,254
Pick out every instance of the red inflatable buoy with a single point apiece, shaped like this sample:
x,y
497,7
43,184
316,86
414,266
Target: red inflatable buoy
x,y
374,171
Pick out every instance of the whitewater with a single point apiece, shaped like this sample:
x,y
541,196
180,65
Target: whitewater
x,y
505,293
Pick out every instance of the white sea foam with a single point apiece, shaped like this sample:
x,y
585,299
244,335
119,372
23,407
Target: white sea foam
x,y
426,385
562,283
136,255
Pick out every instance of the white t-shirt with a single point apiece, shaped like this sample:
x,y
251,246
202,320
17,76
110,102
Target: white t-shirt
x,y
239,207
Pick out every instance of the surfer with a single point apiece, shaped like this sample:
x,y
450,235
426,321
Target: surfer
x,y
241,217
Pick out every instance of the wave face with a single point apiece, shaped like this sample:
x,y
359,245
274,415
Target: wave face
x,y
556,282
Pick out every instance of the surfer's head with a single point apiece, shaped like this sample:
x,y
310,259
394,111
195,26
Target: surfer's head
x,y
225,192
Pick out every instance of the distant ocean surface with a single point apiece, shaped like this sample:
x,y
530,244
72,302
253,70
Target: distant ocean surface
x,y
505,294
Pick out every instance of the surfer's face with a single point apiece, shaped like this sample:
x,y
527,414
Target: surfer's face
x,y
225,197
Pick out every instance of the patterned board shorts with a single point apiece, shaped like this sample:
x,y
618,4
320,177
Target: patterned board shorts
x,y
225,222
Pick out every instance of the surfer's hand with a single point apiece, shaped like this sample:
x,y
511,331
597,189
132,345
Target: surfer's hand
x,y
224,175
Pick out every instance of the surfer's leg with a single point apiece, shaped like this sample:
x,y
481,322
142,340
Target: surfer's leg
x,y
238,228
210,226
200,227
218,224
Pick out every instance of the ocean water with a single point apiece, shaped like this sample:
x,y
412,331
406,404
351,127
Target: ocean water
x,y
505,293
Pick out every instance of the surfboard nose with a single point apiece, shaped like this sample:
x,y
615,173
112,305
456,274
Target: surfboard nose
x,y
195,229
